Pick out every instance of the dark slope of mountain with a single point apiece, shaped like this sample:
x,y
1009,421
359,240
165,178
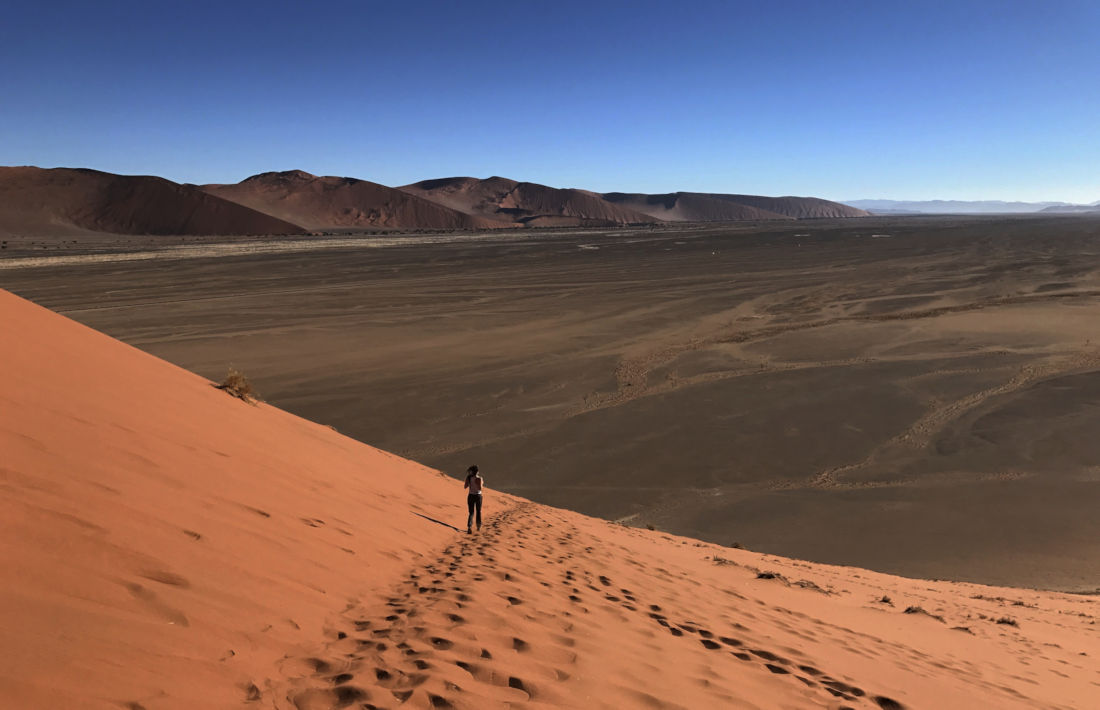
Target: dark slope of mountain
x,y
73,201
342,203
527,203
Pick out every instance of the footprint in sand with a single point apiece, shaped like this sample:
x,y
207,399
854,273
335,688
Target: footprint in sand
x,y
154,604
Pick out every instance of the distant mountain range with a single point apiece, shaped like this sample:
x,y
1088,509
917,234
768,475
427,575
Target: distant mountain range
x,y
75,201
1094,207
887,207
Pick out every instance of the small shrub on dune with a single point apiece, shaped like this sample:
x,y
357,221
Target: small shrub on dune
x,y
236,384
921,610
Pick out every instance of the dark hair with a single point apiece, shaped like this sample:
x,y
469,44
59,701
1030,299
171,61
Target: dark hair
x,y
471,471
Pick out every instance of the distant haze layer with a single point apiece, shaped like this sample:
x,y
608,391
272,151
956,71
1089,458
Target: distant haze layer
x,y
967,206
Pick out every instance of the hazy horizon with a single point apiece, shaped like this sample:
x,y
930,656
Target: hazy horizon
x,y
961,101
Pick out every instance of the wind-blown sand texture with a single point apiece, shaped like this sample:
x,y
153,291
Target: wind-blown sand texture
x,y
328,203
77,201
717,207
528,203
168,546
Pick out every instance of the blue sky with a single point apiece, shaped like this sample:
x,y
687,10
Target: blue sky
x,y
843,100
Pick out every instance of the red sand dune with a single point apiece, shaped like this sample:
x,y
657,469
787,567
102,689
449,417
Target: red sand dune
x,y
168,546
690,207
716,207
531,204
74,201
322,203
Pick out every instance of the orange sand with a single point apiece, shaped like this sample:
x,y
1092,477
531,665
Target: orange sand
x,y
168,546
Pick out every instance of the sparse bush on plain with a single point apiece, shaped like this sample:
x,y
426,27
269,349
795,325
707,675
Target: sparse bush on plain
x,y
236,384
1007,621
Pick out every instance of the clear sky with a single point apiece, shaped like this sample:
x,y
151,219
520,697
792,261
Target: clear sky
x,y
843,100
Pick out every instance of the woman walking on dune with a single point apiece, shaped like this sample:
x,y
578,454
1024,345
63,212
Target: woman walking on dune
x,y
474,482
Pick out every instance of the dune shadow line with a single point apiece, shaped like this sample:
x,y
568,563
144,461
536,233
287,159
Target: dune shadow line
x,y
439,522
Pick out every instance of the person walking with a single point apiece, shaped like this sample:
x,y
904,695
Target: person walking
x,y
475,483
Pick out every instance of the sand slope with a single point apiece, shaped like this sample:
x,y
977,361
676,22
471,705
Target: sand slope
x,y
691,207
342,203
74,201
716,207
528,203
168,546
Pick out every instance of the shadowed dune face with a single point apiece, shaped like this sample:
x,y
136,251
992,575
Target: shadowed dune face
x,y
323,203
169,546
63,201
526,203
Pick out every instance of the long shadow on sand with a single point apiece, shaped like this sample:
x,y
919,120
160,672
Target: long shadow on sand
x,y
439,522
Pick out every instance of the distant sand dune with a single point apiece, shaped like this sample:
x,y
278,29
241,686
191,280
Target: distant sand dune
x,y
325,203
713,207
528,203
67,202
64,201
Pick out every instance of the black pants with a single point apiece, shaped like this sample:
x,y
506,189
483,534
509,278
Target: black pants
x,y
473,502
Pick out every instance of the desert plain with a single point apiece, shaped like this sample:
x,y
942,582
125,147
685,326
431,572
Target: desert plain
x,y
916,396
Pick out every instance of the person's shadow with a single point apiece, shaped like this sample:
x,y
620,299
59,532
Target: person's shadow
x,y
439,522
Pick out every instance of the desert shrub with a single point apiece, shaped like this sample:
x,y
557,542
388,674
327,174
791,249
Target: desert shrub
x,y
1007,621
920,610
811,585
236,384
